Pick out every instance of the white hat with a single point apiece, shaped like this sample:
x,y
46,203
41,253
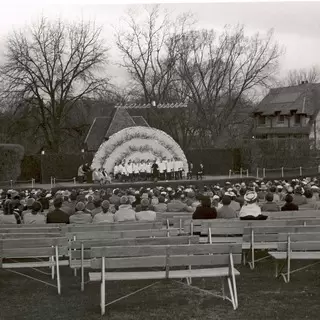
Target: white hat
x,y
215,197
250,196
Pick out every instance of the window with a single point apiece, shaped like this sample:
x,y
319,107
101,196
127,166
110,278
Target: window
x,y
281,119
262,120
297,119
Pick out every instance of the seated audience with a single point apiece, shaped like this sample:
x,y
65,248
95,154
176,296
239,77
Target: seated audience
x,y
216,202
105,215
204,211
289,205
145,214
7,218
176,205
80,217
250,210
276,197
57,215
234,204
298,198
29,203
226,212
311,202
97,206
125,211
35,216
90,205
270,205
161,206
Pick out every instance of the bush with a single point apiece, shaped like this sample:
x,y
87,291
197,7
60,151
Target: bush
x,y
11,156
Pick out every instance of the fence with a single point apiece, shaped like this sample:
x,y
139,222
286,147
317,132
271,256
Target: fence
x,y
283,172
11,183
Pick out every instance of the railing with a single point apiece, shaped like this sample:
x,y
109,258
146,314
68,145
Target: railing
x,y
283,172
12,183
53,181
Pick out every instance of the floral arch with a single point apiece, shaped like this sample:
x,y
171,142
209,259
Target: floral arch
x,y
137,143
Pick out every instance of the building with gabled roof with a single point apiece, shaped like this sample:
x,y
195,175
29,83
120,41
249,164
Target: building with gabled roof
x,y
289,112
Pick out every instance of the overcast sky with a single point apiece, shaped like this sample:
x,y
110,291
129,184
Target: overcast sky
x,y
296,24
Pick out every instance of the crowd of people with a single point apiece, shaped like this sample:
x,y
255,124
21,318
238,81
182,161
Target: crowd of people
x,y
230,201
161,169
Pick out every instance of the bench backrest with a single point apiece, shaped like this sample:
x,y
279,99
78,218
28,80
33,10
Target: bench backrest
x,y
29,226
271,234
28,235
166,256
31,230
303,241
121,234
113,227
88,244
27,248
198,225
310,213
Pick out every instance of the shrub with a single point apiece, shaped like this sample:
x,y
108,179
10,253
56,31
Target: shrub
x,y
11,156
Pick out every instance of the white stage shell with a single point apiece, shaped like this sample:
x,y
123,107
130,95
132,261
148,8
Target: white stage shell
x,y
137,143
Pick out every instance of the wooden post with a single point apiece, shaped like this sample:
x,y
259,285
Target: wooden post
x,y
74,181
240,172
11,183
32,183
257,173
282,172
248,173
230,173
51,182
264,172
300,171
319,169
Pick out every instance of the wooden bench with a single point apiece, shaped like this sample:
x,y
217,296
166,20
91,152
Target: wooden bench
x,y
296,246
303,214
26,229
80,249
44,248
113,226
188,260
266,238
108,235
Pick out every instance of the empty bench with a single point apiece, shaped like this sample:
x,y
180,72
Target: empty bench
x,y
189,261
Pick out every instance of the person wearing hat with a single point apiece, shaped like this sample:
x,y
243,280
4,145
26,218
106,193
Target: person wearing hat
x,y
270,205
115,199
204,211
298,198
276,197
311,202
35,216
125,211
105,216
234,204
215,203
80,217
57,215
44,201
226,211
251,210
289,205
262,192
145,214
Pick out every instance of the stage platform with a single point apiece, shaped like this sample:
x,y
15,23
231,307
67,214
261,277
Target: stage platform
x,y
207,181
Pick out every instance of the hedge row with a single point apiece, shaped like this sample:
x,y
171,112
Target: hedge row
x,y
11,156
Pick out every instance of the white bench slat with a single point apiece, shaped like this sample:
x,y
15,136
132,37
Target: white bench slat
x,y
308,255
174,274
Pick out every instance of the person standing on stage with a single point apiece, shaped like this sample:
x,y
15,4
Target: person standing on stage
x,y
169,169
135,170
149,170
155,171
143,170
116,171
176,166
180,169
120,171
124,173
129,168
190,170
162,169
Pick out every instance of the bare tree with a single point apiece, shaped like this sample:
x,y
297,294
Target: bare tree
x,y
221,71
296,76
51,66
148,50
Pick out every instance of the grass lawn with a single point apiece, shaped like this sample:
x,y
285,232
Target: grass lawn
x,y
260,296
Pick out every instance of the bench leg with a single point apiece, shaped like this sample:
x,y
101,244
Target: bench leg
x,y
276,268
58,271
223,288
231,294
52,268
103,288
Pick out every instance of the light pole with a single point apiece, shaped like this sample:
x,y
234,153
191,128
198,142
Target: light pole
x,y
41,165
